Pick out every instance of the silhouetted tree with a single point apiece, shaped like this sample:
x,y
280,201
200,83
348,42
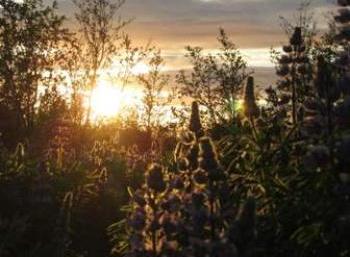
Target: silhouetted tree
x,y
30,36
154,98
216,79
100,34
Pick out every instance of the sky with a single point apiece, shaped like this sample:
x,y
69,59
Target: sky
x,y
171,25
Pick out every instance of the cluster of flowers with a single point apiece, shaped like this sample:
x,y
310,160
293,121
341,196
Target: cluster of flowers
x,y
189,210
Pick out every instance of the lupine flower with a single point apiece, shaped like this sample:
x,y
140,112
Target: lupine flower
x,y
283,70
136,242
138,220
343,2
195,122
168,224
182,164
296,39
287,49
200,176
208,155
174,203
344,33
155,178
193,157
343,16
284,59
302,69
177,183
251,109
139,198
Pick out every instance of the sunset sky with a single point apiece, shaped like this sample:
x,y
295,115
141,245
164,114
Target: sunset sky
x,y
172,24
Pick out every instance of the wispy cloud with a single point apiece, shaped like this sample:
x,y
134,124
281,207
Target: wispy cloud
x,y
173,24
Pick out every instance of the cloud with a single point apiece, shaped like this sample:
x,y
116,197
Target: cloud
x,y
173,24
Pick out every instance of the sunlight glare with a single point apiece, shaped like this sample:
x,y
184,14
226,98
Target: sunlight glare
x,y
140,68
110,101
105,101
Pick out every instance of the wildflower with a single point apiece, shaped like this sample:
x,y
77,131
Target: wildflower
x,y
283,70
208,156
177,183
302,59
168,224
283,84
344,33
342,60
287,49
136,242
139,198
343,2
174,203
193,157
155,178
302,69
138,220
195,122
250,107
187,138
284,99
154,225
200,176
183,164
284,59
296,39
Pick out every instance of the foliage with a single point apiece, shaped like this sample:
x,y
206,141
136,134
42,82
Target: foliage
x,y
243,179
29,33
216,79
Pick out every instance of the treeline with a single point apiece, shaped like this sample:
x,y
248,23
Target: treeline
x,y
232,178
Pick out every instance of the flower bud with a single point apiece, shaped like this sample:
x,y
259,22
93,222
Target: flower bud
x,y
296,39
251,109
195,122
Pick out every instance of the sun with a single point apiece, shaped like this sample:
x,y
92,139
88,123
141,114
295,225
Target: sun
x,y
105,101
109,100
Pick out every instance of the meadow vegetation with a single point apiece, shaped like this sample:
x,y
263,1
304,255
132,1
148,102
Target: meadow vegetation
x,y
229,177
